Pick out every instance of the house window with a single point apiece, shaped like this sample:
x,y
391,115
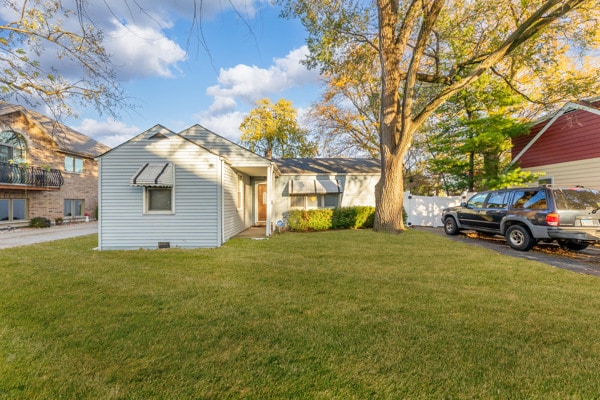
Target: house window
x,y
73,164
158,200
13,209
74,207
546,181
330,200
6,153
12,147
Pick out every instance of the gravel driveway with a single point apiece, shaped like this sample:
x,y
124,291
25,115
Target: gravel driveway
x,y
585,262
26,236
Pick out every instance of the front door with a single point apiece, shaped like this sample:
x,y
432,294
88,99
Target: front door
x,y
262,203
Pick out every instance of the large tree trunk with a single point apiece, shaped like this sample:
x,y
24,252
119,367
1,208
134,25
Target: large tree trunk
x,y
389,196
394,124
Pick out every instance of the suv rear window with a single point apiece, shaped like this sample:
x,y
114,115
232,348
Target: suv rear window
x,y
530,199
577,199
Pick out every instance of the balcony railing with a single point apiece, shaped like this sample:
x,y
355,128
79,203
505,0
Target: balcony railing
x,y
13,174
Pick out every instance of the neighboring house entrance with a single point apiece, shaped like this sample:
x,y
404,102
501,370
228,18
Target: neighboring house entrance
x,y
262,204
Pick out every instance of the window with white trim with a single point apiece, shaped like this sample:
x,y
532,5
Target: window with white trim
x,y
73,207
73,164
158,200
330,200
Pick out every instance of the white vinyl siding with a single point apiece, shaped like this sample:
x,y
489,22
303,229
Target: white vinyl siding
x,y
234,220
584,172
123,224
357,190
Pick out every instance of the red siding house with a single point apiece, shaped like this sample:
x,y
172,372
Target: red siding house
x,y
565,146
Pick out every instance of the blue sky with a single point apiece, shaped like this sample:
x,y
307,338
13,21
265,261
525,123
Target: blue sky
x,y
248,53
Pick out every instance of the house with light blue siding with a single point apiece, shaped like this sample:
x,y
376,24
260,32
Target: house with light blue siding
x,y
189,189
195,189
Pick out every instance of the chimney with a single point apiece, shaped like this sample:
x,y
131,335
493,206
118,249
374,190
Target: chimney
x,y
269,154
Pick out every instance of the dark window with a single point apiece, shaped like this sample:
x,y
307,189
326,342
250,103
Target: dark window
x,y
159,199
530,199
13,209
331,200
577,199
477,200
497,200
73,207
12,147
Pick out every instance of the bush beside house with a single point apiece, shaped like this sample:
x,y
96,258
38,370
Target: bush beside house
x,y
356,217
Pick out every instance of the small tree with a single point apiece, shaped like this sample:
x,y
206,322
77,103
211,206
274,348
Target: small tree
x,y
272,130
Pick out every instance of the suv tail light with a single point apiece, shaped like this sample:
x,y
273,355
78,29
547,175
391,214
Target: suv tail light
x,y
552,219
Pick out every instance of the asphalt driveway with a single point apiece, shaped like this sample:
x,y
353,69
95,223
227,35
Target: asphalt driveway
x,y
26,236
585,262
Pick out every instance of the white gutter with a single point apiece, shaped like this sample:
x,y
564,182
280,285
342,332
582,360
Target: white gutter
x,y
99,203
269,198
221,203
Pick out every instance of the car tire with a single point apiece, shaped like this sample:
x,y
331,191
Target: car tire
x,y
450,226
573,245
519,238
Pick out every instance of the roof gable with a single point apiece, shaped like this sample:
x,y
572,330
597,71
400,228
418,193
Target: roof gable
x,y
233,152
68,140
157,132
524,143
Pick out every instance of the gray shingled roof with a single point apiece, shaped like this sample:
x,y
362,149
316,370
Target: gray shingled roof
x,y
67,139
300,166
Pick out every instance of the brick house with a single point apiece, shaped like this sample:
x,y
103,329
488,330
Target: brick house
x,y
46,168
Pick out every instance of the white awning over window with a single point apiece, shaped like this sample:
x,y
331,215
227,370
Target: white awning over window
x,y
159,175
314,186
328,186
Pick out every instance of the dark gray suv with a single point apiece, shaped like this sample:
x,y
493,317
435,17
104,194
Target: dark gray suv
x,y
525,216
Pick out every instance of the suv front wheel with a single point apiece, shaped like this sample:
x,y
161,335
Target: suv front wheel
x,y
450,226
519,238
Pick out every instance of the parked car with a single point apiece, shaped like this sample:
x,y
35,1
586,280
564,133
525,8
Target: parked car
x,y
524,216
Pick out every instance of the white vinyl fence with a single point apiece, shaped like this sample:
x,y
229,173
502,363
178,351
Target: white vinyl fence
x,y
427,210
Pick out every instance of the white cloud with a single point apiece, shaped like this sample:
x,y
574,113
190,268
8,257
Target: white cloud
x,y
250,83
226,125
110,132
139,52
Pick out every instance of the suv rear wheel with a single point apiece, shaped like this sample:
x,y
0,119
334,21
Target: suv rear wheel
x,y
450,226
519,238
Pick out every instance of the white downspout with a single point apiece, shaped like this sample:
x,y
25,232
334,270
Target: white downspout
x,y
221,204
269,198
100,204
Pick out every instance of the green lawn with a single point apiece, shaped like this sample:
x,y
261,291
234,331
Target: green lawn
x,y
344,315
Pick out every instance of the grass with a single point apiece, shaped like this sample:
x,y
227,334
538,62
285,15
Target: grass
x,y
332,315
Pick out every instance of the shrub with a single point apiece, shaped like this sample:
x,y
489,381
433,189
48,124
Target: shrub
x,y
356,217
39,222
310,220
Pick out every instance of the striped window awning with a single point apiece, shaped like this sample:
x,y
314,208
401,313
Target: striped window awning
x,y
149,174
314,186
